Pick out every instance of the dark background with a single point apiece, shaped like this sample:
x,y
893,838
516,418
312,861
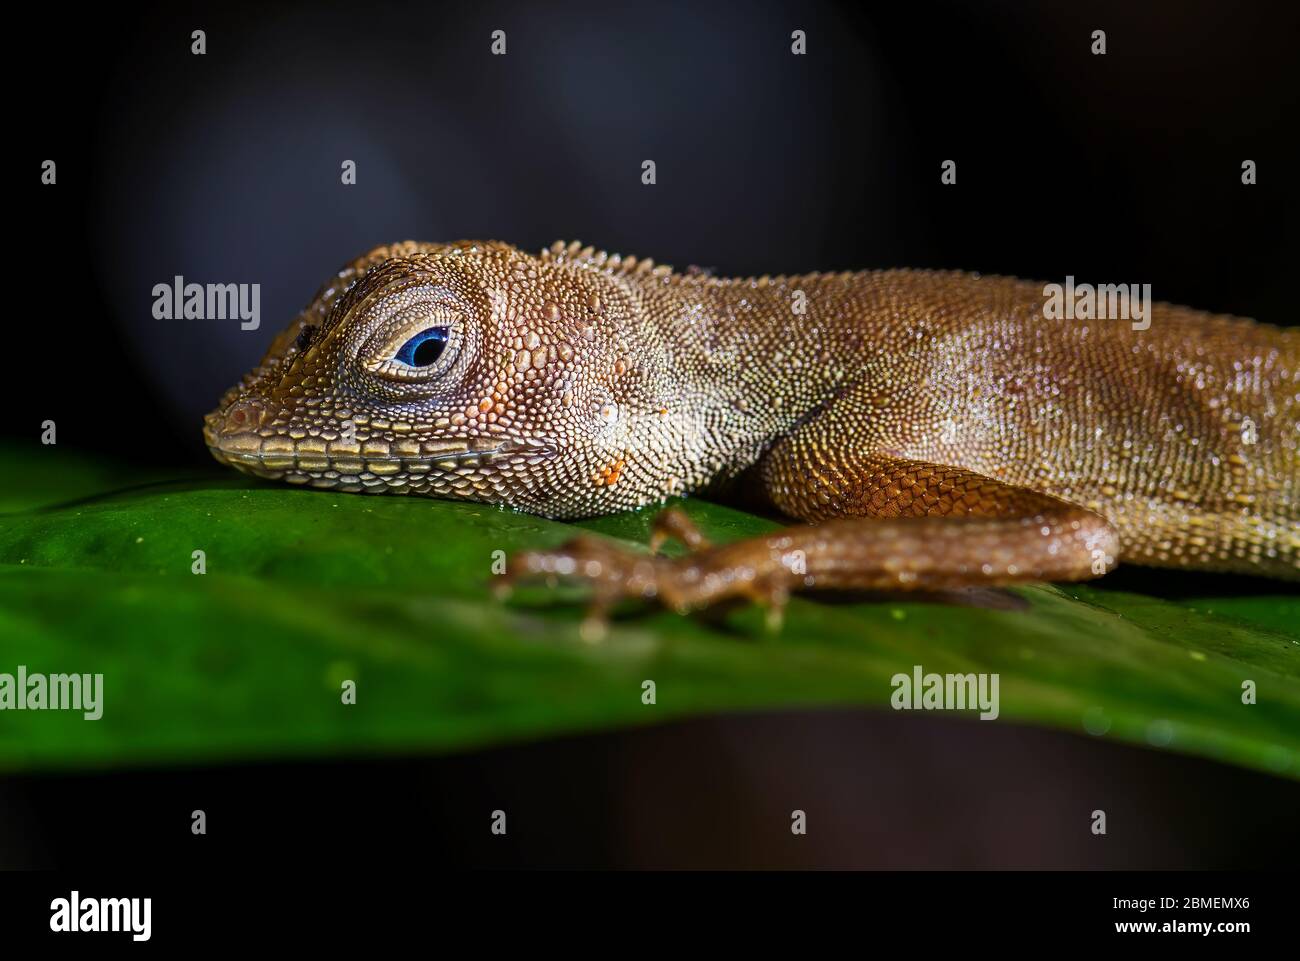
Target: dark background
x,y
225,168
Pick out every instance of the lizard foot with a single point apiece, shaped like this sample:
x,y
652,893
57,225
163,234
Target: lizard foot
x,y
614,573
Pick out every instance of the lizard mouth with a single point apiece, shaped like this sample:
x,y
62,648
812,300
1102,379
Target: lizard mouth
x,y
373,463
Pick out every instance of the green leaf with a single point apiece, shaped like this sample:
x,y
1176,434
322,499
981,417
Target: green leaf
x,y
306,589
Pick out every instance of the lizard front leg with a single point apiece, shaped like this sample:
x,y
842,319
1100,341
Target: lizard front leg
x,y
879,523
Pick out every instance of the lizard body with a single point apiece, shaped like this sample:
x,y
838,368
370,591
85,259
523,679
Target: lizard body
x,y
930,428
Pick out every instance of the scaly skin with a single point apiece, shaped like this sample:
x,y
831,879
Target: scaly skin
x,y
932,429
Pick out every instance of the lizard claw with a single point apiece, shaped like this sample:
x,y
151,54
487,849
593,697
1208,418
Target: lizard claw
x,y
772,598
595,625
673,523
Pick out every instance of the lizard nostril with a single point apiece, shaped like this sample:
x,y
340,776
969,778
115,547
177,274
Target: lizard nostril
x,y
241,416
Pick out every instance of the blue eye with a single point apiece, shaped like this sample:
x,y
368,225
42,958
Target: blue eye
x,y
424,348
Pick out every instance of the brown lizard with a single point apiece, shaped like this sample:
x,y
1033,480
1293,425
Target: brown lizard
x,y
929,429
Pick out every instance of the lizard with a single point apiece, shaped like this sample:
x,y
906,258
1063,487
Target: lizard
x,y
922,430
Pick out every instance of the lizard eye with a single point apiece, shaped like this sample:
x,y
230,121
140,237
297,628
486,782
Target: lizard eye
x,y
424,348
410,342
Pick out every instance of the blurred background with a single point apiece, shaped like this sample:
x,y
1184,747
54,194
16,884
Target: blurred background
x,y
225,168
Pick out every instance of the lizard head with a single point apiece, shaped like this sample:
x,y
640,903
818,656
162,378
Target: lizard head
x,y
471,370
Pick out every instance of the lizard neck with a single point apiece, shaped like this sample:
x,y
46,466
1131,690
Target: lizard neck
x,y
749,359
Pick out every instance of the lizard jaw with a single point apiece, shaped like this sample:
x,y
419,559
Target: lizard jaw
x,y
447,466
